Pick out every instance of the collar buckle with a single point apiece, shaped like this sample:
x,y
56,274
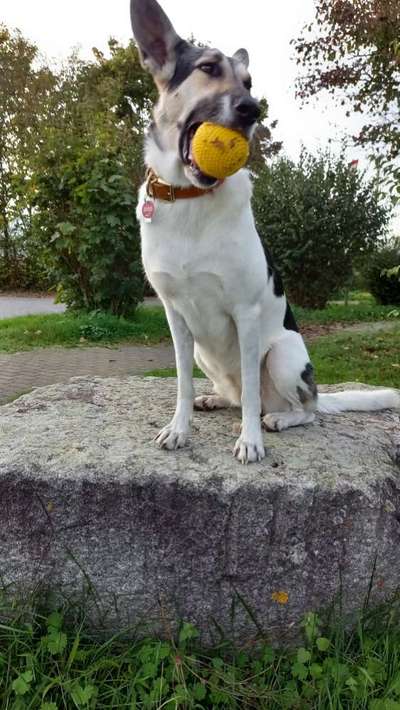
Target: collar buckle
x,y
153,181
151,178
171,193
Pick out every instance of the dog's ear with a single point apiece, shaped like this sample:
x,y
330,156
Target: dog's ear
x,y
242,56
155,37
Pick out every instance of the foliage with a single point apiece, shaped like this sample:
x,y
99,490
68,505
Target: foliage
x,y
317,215
51,664
85,181
382,275
352,50
70,164
86,216
263,146
24,91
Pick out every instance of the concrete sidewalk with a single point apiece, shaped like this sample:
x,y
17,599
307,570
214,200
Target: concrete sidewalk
x,y
20,372
12,305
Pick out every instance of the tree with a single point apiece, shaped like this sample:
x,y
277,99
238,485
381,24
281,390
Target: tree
x,y
263,147
317,216
86,179
352,50
24,92
382,272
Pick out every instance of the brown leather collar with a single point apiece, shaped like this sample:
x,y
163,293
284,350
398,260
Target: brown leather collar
x,y
160,190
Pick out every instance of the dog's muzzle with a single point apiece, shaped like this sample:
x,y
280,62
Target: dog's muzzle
x,y
244,113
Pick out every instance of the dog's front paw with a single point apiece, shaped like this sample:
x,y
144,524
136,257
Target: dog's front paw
x,y
171,438
249,451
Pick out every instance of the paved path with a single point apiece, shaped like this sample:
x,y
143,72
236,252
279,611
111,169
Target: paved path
x,y
13,305
20,372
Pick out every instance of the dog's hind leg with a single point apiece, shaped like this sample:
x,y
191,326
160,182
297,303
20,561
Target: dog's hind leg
x,y
208,402
278,421
289,393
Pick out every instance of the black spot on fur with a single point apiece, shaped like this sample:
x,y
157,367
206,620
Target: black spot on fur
x,y
274,274
308,377
186,57
278,284
289,321
304,396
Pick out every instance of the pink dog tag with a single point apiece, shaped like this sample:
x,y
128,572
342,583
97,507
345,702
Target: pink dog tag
x,y
148,210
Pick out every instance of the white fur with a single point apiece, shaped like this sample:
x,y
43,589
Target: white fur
x,y
205,260
360,401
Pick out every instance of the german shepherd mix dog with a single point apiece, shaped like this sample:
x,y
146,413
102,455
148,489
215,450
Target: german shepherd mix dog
x,y
201,252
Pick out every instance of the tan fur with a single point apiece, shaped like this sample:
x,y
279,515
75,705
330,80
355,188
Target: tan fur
x,y
173,106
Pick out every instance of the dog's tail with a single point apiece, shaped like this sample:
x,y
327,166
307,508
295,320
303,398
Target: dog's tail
x,y
358,401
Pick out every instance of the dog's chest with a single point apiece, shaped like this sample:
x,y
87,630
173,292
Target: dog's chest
x,y
187,253
190,258
188,277
204,258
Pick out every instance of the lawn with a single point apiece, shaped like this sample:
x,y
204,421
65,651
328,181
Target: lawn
x,y
364,311
355,357
46,664
373,359
148,325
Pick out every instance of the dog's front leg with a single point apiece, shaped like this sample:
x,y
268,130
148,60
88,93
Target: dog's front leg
x,y
249,446
173,436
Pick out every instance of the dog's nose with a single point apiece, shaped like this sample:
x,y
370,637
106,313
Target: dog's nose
x,y
248,109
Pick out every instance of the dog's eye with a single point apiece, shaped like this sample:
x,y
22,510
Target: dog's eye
x,y
248,84
209,68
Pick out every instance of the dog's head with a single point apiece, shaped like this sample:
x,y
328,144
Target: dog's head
x,y
195,85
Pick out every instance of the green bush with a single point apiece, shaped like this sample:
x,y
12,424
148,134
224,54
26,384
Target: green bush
x,y
71,221
87,219
24,269
318,216
383,285
85,179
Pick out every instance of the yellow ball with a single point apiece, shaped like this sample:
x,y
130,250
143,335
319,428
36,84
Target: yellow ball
x,y
219,151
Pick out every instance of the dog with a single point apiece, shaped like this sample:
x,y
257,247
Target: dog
x,y
222,295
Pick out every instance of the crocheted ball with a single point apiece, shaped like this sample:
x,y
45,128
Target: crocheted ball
x,y
219,151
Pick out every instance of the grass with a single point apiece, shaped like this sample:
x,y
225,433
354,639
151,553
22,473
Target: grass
x,y
373,359
356,357
147,326
16,395
365,311
48,664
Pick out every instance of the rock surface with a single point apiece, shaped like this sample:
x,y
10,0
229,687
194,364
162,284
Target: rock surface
x,y
87,502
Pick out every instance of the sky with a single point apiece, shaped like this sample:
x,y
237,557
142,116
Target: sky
x,y
264,27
